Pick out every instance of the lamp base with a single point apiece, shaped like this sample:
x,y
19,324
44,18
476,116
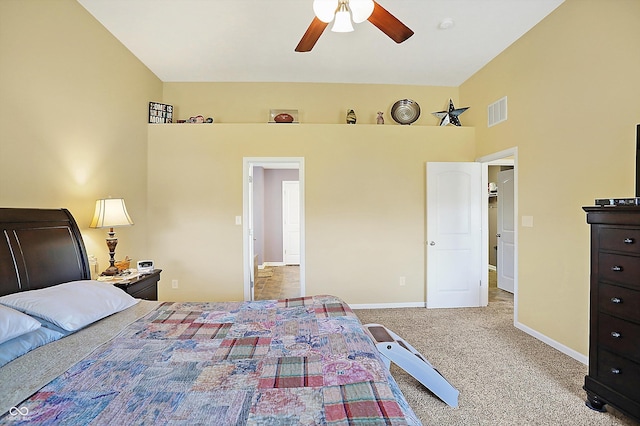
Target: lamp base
x,y
111,271
112,242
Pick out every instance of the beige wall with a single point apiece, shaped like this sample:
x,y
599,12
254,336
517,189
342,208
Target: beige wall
x,y
573,90
365,204
365,184
73,113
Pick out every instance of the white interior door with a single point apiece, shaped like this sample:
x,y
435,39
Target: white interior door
x,y
506,231
454,235
250,237
291,222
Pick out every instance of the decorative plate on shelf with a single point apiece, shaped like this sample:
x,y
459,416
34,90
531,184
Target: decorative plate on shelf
x,y
405,111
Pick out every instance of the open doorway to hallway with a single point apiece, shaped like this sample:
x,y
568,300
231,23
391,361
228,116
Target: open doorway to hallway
x,y
501,225
273,228
500,239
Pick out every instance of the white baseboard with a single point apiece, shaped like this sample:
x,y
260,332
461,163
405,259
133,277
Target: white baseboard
x,y
388,305
556,345
271,264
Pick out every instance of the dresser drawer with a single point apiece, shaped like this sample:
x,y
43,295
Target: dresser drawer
x,y
619,301
626,240
619,268
619,336
619,373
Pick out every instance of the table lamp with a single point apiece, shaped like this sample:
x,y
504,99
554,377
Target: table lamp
x,y
111,213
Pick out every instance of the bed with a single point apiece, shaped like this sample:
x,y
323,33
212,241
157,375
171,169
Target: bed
x,y
279,362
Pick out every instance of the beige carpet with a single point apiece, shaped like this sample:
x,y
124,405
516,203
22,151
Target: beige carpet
x,y
505,376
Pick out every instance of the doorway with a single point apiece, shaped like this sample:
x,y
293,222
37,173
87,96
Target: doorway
x,y
263,232
507,157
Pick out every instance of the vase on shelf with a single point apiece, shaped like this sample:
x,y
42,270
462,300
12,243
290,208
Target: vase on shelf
x,y
351,117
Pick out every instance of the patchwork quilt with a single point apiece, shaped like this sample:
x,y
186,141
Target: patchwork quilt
x,y
302,361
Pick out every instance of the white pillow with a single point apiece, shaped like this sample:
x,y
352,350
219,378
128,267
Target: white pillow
x,y
14,324
71,305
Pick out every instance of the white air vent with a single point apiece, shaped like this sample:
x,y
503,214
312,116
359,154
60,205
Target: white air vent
x,y
497,112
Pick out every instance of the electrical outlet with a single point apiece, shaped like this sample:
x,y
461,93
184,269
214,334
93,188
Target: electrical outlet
x,y
174,283
403,281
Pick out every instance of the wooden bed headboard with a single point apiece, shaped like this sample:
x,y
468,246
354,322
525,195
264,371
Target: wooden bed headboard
x,y
40,248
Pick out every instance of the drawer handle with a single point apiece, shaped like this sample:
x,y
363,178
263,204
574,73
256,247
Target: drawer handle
x,y
629,241
616,300
616,268
615,335
615,371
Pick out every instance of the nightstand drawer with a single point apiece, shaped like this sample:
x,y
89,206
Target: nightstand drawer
x,y
617,239
619,301
146,289
143,287
620,269
619,336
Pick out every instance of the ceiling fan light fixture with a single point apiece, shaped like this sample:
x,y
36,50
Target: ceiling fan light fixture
x,y
342,17
361,10
342,22
325,10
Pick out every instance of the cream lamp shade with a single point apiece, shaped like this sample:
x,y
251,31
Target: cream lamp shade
x,y
111,213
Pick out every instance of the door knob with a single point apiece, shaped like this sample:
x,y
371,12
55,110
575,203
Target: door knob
x,y
498,235
432,243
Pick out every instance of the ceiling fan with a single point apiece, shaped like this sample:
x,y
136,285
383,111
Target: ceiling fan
x,y
342,12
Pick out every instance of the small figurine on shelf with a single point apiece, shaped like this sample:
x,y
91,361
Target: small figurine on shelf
x,y
380,119
351,117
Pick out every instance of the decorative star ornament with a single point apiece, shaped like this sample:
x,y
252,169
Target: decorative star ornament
x,y
451,116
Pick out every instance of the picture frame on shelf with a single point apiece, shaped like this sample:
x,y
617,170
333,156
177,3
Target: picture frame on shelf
x,y
160,113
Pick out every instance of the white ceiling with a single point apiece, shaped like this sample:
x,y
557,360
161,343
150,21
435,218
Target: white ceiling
x,y
254,40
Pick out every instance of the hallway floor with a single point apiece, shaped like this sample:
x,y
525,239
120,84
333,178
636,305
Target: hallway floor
x,y
277,282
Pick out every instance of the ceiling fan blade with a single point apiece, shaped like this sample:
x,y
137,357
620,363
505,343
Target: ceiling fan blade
x,y
389,24
311,36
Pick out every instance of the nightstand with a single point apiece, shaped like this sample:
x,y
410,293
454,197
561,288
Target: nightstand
x,y
144,286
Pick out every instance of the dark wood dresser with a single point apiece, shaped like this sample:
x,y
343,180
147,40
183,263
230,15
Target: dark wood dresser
x,y
614,331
